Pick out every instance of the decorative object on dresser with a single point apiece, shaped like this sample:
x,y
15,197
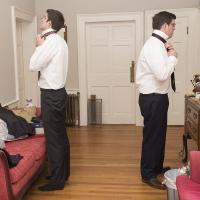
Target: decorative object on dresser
x,y
192,123
196,84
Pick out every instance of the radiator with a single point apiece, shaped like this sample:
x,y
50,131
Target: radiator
x,y
73,111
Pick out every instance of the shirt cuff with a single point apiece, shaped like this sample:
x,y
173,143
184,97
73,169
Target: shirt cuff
x,y
173,59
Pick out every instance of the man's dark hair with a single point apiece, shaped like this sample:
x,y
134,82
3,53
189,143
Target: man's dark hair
x,y
161,18
56,18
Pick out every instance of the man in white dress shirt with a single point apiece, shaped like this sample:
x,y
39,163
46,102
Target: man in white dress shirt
x,y
155,66
50,60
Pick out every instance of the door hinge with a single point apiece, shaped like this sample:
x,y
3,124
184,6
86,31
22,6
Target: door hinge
x,y
187,30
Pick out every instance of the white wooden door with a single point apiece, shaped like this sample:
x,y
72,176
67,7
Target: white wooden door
x,y
20,64
180,42
176,100
110,51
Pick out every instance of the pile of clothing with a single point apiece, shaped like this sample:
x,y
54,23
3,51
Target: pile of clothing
x,y
13,127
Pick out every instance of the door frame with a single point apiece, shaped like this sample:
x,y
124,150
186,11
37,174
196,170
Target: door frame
x,y
82,20
29,31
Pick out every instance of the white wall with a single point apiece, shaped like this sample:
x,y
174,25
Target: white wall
x,y
71,8
6,40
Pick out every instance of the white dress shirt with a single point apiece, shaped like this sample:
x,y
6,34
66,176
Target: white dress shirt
x,y
51,59
154,67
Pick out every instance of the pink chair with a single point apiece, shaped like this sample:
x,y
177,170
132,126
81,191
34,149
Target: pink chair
x,y
189,187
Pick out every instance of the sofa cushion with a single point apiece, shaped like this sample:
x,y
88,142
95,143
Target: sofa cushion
x,y
195,166
22,183
32,149
26,112
187,189
25,164
34,145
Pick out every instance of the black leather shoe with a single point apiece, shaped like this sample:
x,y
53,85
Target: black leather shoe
x,y
164,169
50,187
155,183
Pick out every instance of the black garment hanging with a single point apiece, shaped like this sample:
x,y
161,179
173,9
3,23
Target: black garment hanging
x,y
13,160
172,75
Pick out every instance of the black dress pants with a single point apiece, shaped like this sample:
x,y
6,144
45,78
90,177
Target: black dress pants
x,y
154,108
53,105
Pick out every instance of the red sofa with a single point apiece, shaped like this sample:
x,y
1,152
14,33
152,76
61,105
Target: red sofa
x,y
15,181
189,187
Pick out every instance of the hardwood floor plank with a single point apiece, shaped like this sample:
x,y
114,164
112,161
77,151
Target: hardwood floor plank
x,y
105,165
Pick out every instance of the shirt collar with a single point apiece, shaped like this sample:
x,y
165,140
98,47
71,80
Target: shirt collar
x,y
47,30
160,33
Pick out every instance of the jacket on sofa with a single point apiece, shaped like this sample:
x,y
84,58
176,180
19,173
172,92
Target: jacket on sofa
x,y
17,126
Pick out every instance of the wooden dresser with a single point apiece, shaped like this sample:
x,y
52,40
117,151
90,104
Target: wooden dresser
x,y
192,123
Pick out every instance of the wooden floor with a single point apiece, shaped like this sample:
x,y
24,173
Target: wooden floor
x,y
105,165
